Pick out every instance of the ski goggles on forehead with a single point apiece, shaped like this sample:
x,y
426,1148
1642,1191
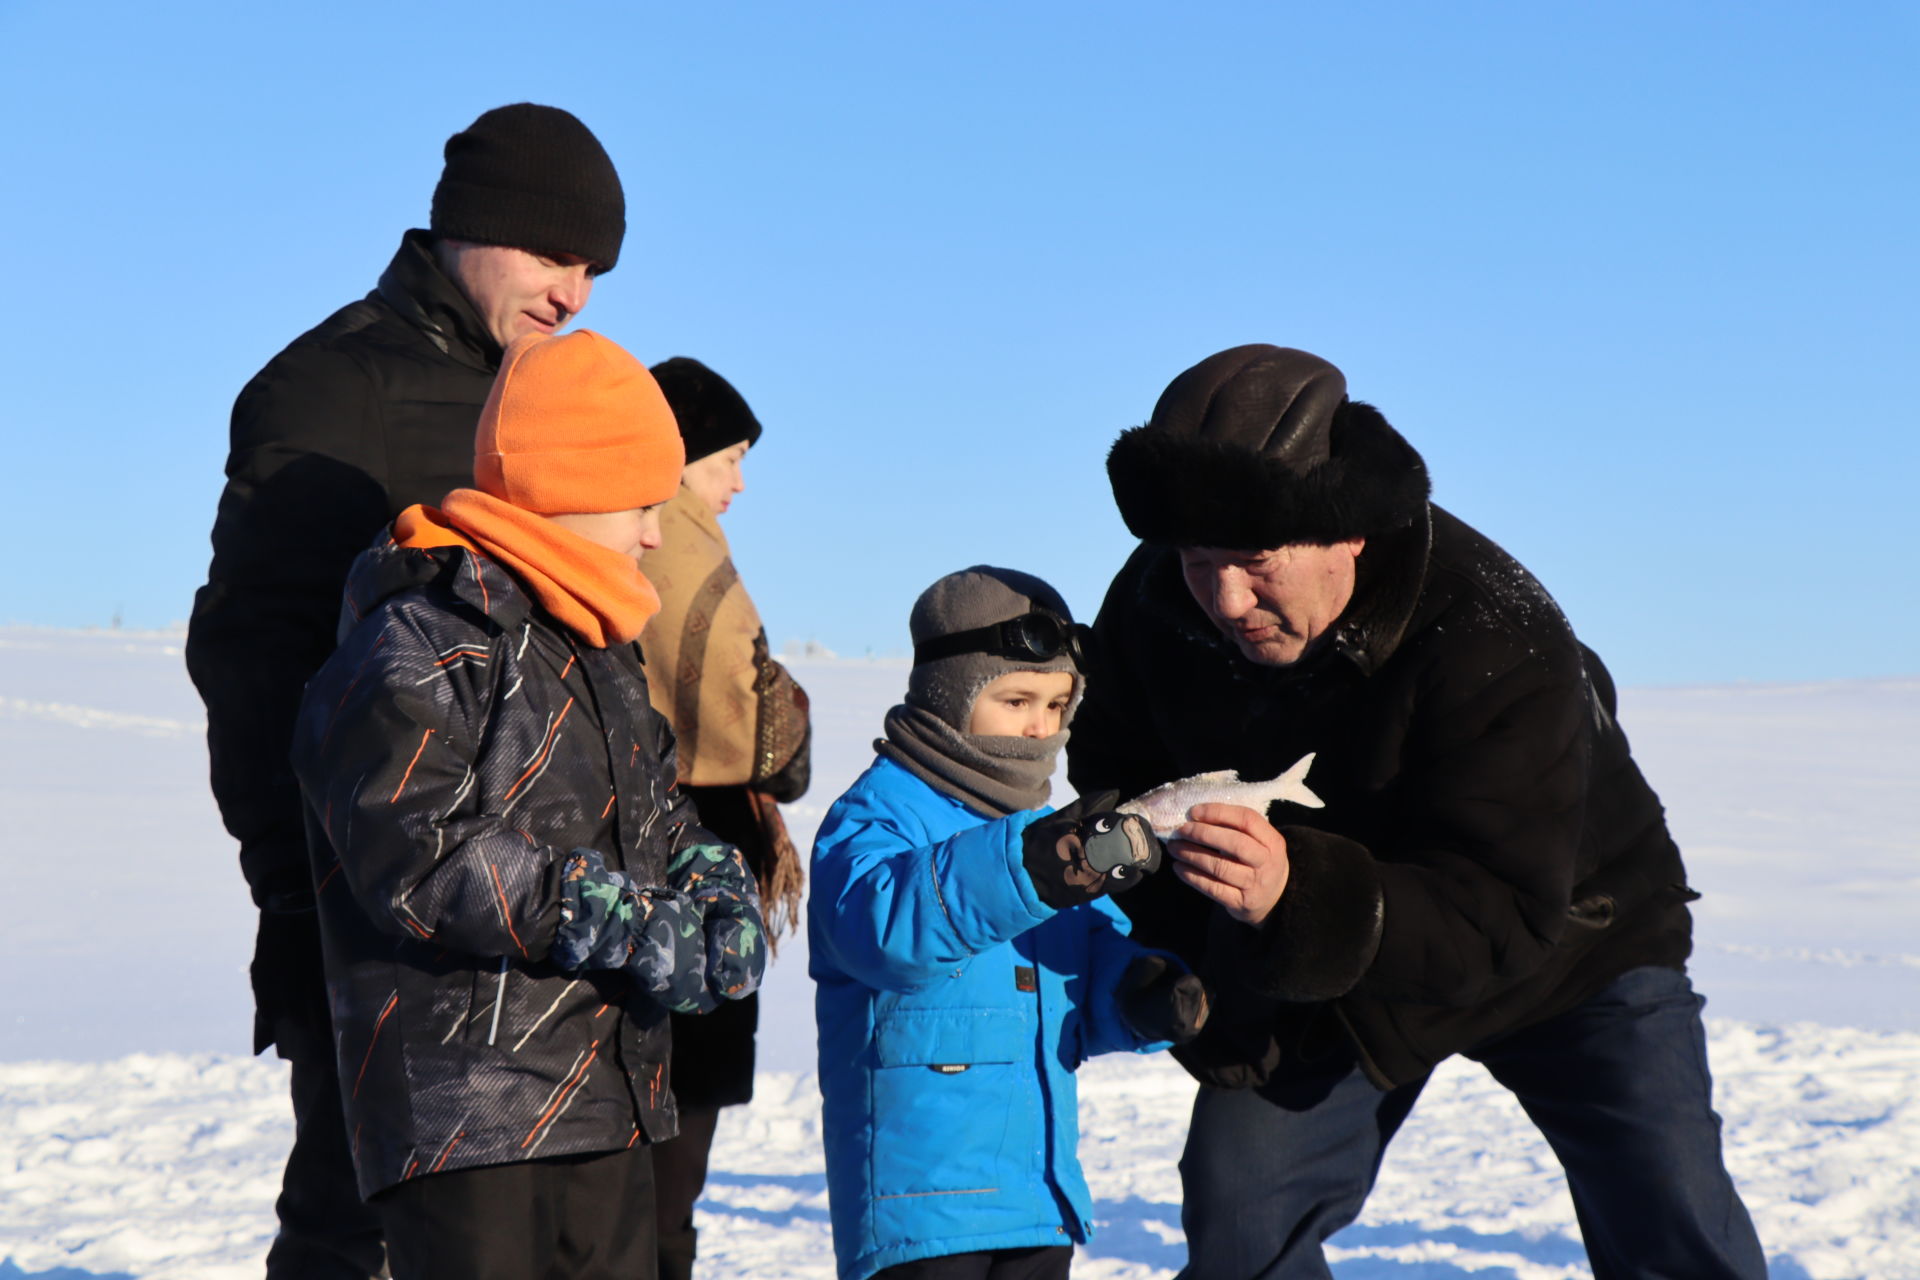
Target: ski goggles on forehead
x,y
1039,636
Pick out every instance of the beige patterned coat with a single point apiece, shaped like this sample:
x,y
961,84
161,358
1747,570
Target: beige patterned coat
x,y
739,716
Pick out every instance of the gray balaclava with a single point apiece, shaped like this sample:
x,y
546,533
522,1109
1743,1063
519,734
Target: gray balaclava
x,y
976,597
927,734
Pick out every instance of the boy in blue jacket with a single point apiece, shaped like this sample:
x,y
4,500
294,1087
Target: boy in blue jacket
x,y
967,957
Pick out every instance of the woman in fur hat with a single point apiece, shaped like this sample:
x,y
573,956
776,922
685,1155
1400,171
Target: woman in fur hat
x,y
741,722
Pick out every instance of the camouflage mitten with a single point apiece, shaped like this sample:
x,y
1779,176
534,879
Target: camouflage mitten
x,y
721,889
1160,1000
606,923
1074,858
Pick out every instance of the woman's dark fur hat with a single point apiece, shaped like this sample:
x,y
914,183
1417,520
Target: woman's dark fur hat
x,y
1260,447
712,415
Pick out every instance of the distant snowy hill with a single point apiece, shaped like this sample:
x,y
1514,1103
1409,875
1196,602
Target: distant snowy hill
x,y
138,1140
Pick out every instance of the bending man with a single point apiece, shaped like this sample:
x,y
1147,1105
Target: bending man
x,y
1490,875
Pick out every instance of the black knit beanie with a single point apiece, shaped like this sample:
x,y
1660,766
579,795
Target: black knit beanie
x,y
534,178
1258,447
712,415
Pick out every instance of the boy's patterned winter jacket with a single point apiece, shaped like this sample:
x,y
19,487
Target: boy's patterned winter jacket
x,y
455,749
953,1007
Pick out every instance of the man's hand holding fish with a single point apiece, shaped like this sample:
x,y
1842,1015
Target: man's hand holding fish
x,y
1234,856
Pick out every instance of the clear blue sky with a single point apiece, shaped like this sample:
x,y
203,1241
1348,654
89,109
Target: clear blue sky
x,y
1638,279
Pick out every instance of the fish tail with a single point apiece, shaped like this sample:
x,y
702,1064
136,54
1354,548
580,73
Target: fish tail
x,y
1293,784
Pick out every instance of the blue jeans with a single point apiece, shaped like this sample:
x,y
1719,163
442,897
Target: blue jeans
x,y
1618,1086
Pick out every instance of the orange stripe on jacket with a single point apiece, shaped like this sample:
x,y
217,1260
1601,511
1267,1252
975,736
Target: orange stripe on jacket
x,y
560,1100
541,759
506,912
417,752
392,1001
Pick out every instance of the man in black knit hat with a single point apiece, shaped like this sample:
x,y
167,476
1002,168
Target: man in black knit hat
x,y
1490,874
368,413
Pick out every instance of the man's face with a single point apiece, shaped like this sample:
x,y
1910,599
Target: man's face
x,y
1273,604
517,292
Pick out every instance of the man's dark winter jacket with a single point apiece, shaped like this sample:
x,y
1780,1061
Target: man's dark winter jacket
x,y
1489,854
455,749
357,419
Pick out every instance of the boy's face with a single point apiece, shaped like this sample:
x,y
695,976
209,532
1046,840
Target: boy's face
x,y
632,533
1022,704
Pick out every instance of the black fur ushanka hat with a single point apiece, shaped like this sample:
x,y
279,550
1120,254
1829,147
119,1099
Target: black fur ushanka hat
x,y
1259,446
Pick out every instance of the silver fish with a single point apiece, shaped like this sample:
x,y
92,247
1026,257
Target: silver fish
x,y
1166,806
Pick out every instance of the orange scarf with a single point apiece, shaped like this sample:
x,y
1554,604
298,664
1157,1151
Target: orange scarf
x,y
596,593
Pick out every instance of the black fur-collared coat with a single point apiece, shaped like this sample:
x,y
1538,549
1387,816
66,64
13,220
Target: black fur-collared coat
x,y
454,750
1489,854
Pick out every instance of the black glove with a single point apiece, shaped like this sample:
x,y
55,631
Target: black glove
x,y
1160,1000
1074,858
289,983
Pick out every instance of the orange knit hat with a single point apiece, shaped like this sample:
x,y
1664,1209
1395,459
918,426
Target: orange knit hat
x,y
575,424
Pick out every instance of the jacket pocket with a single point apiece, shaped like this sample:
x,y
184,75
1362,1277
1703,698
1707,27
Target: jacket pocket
x,y
951,1037
950,1100
462,1004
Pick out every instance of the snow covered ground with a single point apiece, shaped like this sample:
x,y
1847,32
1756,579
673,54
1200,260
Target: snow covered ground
x,y
138,1140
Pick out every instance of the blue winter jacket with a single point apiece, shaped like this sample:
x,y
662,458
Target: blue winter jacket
x,y
953,1007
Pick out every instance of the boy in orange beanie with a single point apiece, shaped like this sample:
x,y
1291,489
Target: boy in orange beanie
x,y
513,895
